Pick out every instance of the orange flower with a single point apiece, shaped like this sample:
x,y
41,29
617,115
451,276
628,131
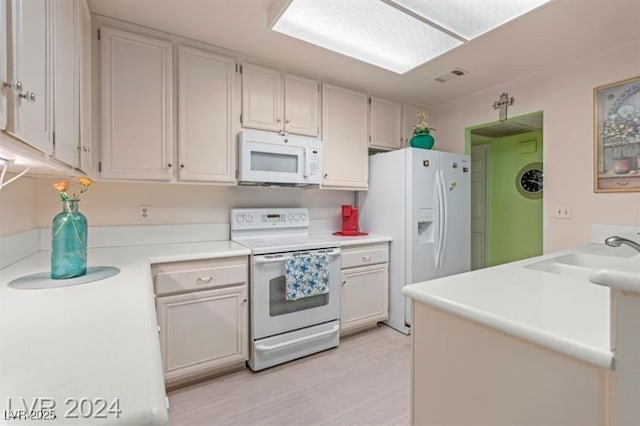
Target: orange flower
x,y
62,186
85,181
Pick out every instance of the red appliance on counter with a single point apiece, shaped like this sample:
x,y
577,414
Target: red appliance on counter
x,y
350,224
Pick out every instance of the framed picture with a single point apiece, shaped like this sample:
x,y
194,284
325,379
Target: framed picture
x,y
617,136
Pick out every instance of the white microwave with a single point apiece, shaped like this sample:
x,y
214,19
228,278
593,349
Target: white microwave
x,y
269,158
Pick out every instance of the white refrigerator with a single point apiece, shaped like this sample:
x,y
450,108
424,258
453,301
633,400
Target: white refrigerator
x,y
421,198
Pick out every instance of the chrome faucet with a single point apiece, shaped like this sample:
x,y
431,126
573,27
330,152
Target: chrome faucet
x,y
616,241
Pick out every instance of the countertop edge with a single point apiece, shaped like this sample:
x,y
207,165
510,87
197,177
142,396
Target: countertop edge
x,y
592,355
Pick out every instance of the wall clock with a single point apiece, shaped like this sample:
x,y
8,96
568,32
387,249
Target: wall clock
x,y
529,181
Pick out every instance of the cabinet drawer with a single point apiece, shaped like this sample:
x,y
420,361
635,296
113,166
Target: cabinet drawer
x,y
180,277
365,255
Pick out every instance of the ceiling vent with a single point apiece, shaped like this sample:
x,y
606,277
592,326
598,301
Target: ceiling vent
x,y
451,75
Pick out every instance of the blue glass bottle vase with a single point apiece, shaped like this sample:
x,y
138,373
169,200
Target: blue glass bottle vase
x,y
69,242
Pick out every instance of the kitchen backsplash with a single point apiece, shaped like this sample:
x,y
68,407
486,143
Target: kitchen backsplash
x,y
119,203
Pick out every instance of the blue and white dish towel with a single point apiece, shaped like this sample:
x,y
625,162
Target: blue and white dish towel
x,y
306,275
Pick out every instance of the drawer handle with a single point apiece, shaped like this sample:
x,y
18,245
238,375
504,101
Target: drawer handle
x,y
622,183
204,280
366,259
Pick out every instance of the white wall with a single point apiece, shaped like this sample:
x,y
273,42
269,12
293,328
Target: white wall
x,y
117,203
18,205
565,95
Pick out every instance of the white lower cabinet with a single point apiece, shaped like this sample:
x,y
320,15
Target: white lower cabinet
x,y
202,309
365,287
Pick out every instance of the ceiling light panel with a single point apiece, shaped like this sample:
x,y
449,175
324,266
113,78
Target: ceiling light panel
x,y
368,30
470,18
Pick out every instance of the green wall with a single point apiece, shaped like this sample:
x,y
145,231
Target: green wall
x,y
515,221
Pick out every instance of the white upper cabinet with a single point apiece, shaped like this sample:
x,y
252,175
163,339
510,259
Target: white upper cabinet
x,y
83,23
31,76
65,78
301,105
261,98
385,121
409,121
280,103
136,106
344,135
207,107
4,23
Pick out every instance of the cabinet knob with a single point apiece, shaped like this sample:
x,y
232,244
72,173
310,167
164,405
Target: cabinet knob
x,y
366,259
30,96
287,121
278,120
182,166
344,282
244,300
204,280
169,165
17,86
326,175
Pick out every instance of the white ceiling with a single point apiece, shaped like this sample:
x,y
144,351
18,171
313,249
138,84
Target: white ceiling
x,y
557,32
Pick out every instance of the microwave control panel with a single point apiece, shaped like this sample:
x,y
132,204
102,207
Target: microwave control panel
x,y
314,162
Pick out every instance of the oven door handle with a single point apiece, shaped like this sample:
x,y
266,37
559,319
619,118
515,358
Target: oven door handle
x,y
262,347
282,258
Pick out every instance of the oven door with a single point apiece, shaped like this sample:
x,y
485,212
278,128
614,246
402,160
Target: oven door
x,y
272,313
263,162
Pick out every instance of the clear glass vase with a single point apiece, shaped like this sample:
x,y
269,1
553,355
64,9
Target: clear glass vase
x,y
69,242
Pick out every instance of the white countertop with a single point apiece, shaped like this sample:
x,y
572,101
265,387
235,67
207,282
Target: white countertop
x,y
96,340
570,315
625,276
352,241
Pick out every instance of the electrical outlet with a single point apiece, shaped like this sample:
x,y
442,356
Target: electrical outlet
x,y
562,212
144,213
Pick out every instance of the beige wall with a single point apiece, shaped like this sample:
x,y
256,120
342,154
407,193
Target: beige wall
x,y
565,94
117,203
18,206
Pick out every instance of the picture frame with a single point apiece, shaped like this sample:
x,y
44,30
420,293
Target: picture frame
x,y
616,136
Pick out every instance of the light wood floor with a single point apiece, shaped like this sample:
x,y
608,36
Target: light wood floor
x,y
365,381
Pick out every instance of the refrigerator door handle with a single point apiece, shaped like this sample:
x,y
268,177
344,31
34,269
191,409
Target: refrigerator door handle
x,y
445,207
440,219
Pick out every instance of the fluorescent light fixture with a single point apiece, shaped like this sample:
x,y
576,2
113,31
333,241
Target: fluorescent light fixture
x,y
397,35
369,30
470,18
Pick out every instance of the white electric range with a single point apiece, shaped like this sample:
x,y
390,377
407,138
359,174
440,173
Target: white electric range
x,y
282,330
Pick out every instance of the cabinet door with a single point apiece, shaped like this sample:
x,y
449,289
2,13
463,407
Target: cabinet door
x,y
202,331
385,124
3,64
65,82
261,98
83,21
205,121
409,121
301,105
364,297
344,135
136,106
31,29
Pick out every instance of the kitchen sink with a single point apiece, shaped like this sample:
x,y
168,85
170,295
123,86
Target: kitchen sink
x,y
575,265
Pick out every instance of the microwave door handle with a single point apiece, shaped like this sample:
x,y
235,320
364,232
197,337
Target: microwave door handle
x,y
305,173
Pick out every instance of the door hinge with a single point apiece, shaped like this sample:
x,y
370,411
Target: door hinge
x,y
99,34
100,166
369,101
54,140
237,68
236,173
240,68
369,138
317,130
318,87
241,118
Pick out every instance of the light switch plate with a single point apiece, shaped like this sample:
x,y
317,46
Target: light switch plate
x,y
144,213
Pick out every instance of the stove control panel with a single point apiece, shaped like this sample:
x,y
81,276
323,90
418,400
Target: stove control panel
x,y
269,218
